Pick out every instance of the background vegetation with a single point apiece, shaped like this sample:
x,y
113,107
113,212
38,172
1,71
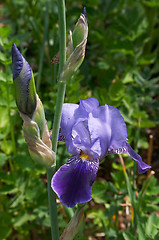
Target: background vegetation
x,y
120,69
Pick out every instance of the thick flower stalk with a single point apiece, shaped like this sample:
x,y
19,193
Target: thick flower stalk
x,y
31,110
90,132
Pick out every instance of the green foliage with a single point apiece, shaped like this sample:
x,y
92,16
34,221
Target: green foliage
x,y
120,69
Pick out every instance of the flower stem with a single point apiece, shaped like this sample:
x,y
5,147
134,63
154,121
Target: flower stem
x,y
57,118
52,206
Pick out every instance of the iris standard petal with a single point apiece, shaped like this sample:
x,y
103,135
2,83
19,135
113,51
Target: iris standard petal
x,y
73,181
85,107
67,118
142,167
89,104
118,127
100,128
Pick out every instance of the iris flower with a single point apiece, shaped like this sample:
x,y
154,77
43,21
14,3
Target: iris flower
x,y
90,132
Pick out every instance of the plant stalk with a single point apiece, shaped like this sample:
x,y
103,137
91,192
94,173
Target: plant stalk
x,y
57,118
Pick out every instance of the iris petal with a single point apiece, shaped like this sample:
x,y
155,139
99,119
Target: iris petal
x,y
73,181
142,167
118,128
67,118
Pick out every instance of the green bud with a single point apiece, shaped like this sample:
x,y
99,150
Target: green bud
x,y
76,48
39,115
39,149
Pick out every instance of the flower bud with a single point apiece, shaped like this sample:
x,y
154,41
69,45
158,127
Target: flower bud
x,y
40,149
79,30
23,81
76,48
39,115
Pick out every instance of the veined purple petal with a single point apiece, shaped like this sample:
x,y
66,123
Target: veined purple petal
x,y
100,128
89,104
142,167
107,124
67,118
118,127
85,107
73,181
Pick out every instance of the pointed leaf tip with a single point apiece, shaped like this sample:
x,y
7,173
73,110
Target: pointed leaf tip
x,y
84,12
17,61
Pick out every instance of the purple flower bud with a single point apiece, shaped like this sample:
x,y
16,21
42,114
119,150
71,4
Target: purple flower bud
x,y
23,81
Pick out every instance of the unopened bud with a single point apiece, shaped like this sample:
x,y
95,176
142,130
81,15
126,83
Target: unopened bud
x,y
77,45
23,81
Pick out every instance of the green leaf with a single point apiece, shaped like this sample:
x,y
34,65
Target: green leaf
x,y
140,114
5,31
128,79
99,191
5,225
23,218
8,189
147,124
117,90
3,158
4,60
25,162
152,225
128,236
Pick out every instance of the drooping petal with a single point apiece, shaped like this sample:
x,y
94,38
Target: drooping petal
x,y
142,167
73,181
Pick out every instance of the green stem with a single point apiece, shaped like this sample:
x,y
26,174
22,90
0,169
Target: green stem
x,y
46,22
57,118
10,119
52,206
136,150
62,29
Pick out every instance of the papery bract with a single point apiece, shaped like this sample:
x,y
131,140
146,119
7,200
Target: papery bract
x,y
90,132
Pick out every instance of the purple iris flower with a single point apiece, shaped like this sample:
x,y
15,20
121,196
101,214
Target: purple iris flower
x,y
90,132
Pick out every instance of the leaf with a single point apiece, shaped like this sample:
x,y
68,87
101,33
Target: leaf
x,y
5,31
128,78
5,225
23,218
128,236
99,191
147,124
7,189
140,114
3,158
152,225
24,162
4,60
117,90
